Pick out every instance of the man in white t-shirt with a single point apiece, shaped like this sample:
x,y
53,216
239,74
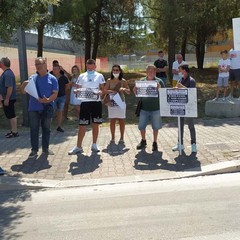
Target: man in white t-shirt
x,y
223,74
234,73
175,68
91,108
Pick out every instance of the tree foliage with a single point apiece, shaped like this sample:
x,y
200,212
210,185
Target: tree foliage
x,y
24,13
100,24
192,22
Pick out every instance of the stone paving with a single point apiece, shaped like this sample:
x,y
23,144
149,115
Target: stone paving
x,y
217,140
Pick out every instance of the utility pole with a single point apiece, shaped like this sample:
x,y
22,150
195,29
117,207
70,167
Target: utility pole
x,y
22,56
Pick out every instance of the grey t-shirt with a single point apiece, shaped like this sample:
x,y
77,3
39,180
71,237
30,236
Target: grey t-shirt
x,y
7,79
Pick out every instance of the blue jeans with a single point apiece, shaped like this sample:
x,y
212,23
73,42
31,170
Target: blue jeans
x,y
150,116
44,118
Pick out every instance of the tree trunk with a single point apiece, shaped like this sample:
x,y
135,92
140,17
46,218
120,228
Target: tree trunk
x,y
88,37
40,30
171,37
184,43
97,31
200,50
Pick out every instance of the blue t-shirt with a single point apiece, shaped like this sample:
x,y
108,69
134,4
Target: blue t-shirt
x,y
8,80
45,86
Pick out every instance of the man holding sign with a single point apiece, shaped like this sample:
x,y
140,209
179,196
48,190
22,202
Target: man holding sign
x,y
91,85
186,81
43,91
147,89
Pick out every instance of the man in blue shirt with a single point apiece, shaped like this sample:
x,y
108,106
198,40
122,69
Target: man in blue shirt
x,y
8,95
41,109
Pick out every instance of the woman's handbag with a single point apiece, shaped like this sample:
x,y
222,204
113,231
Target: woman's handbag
x,y
138,109
106,100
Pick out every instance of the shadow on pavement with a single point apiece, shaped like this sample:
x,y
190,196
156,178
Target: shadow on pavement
x,y
114,149
185,162
33,165
152,161
85,164
11,209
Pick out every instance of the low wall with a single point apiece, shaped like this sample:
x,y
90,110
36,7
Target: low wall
x,y
223,108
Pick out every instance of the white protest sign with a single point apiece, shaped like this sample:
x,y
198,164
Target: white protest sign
x,y
236,33
31,88
146,89
178,102
118,100
87,94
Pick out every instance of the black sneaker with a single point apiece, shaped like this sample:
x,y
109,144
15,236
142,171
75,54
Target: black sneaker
x,y
142,144
12,134
7,134
48,152
59,129
154,146
32,154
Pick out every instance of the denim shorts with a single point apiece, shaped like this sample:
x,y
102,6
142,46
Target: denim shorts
x,y
222,81
59,103
152,117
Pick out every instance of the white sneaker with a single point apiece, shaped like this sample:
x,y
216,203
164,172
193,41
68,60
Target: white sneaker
x,y
194,148
178,147
75,150
95,148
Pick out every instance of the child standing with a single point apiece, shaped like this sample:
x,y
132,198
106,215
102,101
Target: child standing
x,y
223,74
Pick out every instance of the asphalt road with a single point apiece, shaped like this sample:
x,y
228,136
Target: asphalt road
x,y
185,209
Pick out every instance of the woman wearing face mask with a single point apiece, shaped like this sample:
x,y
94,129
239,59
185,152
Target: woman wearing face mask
x,y
73,100
117,85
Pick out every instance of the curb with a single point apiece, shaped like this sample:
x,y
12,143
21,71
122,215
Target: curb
x,y
13,183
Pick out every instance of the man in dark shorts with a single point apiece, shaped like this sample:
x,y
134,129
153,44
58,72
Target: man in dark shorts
x,y
234,73
91,108
8,95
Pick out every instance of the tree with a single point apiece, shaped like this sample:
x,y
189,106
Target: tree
x,y
194,22
99,24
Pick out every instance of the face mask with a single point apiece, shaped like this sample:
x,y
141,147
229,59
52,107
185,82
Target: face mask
x,y
180,75
90,72
116,75
160,58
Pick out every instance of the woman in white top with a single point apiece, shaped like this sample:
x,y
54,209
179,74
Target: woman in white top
x,y
73,100
116,87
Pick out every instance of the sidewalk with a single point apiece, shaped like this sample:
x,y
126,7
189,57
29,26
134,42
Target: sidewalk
x,y
217,141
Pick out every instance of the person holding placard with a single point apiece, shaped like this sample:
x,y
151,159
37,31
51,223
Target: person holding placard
x,y
91,85
186,81
41,108
117,85
150,110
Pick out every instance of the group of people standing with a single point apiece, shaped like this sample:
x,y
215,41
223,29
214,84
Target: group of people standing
x,y
53,88
228,71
